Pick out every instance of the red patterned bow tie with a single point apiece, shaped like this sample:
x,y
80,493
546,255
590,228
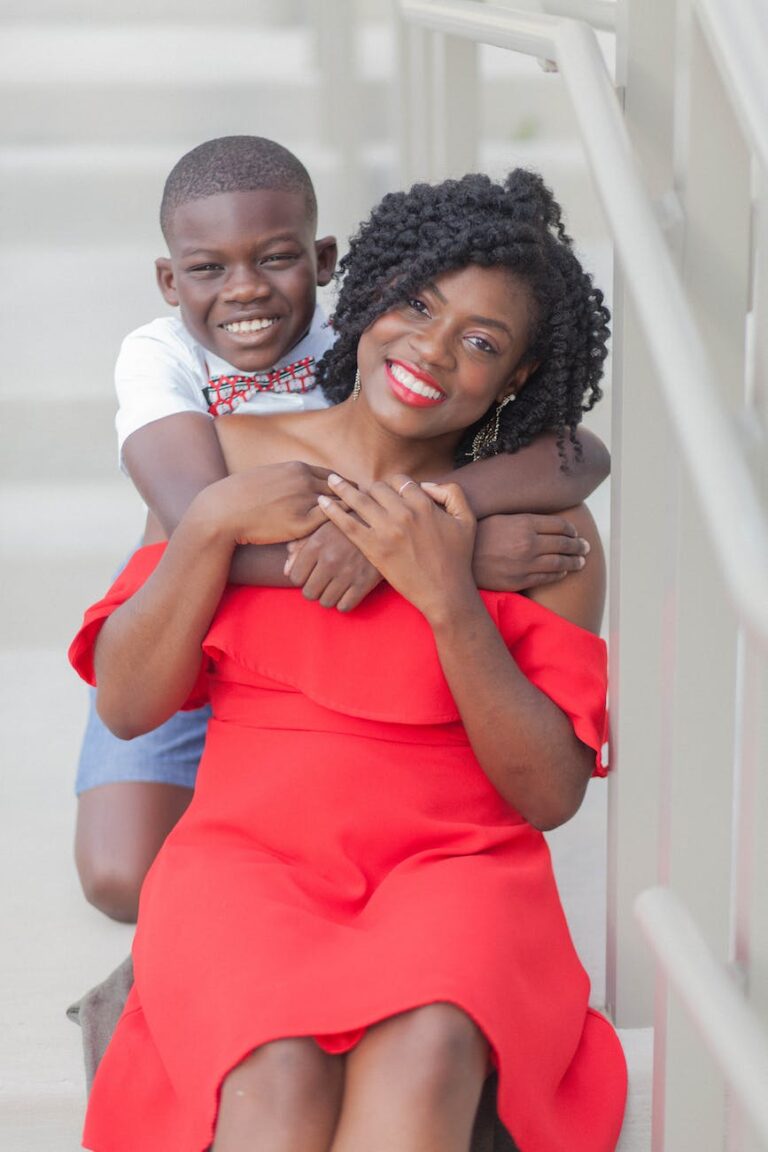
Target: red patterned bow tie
x,y
226,393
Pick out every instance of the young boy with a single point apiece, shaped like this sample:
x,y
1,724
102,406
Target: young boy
x,y
239,216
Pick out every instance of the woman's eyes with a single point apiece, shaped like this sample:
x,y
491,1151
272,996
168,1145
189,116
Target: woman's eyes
x,y
482,345
417,305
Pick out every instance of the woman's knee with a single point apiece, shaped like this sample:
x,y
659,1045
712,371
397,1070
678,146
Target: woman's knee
x,y
438,1047
293,1075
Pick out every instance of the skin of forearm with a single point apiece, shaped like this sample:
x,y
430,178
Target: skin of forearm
x,y
260,565
532,479
524,743
149,651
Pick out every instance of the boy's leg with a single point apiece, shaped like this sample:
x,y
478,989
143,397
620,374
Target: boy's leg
x,y
130,795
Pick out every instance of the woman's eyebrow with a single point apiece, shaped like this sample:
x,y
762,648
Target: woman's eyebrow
x,y
487,320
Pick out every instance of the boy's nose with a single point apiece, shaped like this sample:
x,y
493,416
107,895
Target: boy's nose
x,y
245,284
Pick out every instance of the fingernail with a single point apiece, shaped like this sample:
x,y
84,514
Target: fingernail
x,y
334,479
324,501
587,546
429,484
288,565
581,561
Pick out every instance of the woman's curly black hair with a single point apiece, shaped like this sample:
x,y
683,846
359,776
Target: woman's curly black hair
x,y
412,237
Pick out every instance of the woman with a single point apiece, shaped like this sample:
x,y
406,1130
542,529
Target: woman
x,y
356,919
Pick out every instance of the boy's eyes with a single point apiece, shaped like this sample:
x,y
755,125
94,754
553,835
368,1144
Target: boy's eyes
x,y
279,258
272,258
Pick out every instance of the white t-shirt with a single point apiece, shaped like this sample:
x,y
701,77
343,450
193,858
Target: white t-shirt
x,y
162,370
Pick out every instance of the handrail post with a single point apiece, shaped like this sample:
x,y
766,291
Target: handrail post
x,y
640,577
437,104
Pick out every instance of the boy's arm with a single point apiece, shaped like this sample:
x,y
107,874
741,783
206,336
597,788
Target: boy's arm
x,y
170,461
532,479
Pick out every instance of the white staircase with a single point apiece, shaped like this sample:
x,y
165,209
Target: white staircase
x,y
99,100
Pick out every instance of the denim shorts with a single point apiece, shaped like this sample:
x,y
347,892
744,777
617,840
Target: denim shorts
x,y
169,755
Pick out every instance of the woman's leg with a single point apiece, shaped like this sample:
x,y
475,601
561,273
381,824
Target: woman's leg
x,y
284,1097
413,1084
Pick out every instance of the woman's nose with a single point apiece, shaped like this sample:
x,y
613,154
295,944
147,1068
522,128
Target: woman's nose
x,y
245,284
432,345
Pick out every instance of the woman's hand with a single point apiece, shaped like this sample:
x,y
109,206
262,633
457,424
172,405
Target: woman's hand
x,y
267,505
420,537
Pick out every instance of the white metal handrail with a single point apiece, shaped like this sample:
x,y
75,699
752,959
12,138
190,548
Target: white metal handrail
x,y
706,433
599,13
720,1013
737,34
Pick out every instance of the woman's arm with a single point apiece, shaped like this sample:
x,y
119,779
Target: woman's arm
x,y
149,650
524,742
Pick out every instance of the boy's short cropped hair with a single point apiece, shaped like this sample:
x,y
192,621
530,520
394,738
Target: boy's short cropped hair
x,y
234,164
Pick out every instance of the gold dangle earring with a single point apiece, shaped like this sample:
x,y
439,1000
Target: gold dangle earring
x,y
485,440
356,385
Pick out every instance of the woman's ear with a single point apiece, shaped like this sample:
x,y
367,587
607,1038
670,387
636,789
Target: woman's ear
x,y
166,281
518,379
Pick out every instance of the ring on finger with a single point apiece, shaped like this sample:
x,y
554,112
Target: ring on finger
x,y
404,485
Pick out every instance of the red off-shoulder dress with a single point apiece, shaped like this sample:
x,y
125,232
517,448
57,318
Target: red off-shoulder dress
x,y
344,859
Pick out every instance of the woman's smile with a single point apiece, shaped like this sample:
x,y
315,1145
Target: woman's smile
x,y
412,386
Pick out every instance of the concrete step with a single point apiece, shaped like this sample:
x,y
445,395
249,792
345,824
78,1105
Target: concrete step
x,y
79,12
61,947
143,84
61,543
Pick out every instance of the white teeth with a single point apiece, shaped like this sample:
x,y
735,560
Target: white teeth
x,y
413,383
248,325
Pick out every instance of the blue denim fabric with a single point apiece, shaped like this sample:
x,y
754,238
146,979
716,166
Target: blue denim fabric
x,y
169,755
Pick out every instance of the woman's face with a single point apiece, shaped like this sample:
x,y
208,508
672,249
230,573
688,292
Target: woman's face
x,y
435,364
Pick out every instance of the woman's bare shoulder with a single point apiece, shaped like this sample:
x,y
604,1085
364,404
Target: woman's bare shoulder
x,y
248,441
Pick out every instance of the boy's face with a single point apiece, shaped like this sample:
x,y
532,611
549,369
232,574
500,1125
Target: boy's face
x,y
243,269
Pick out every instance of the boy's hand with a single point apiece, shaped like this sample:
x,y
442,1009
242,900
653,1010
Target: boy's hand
x,y
330,569
513,553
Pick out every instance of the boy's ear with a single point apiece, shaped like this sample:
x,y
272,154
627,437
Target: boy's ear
x,y
327,251
166,281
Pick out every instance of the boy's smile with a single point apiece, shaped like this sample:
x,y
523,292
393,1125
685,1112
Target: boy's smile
x,y
243,269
